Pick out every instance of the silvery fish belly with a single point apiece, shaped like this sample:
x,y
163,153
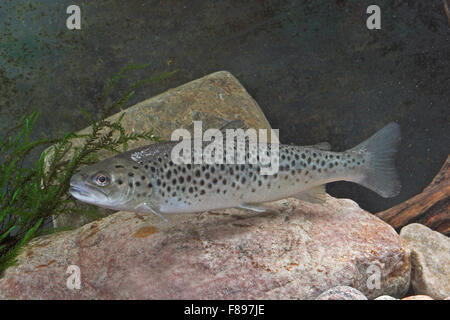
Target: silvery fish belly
x,y
146,180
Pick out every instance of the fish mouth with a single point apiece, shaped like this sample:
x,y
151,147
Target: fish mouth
x,y
86,193
78,190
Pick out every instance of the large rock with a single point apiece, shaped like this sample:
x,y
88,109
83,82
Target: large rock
x,y
215,99
430,260
296,250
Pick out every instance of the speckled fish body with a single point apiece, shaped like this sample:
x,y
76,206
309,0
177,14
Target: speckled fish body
x,y
146,180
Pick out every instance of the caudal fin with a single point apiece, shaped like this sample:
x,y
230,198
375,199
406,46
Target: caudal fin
x,y
379,173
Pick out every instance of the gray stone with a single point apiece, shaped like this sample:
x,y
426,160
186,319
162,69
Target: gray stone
x,y
385,298
430,260
342,293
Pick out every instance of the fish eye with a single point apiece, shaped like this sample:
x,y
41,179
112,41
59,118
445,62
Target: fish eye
x,y
101,179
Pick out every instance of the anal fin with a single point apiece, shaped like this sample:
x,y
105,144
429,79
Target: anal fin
x,y
313,195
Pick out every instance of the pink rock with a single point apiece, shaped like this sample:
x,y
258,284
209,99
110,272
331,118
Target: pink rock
x,y
296,250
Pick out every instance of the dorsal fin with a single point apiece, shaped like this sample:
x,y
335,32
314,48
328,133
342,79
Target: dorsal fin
x,y
234,124
322,146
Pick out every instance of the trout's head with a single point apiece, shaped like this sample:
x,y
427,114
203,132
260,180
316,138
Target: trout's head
x,y
114,183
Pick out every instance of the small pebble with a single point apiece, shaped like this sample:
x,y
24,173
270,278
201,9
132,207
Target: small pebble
x,y
342,293
385,298
418,297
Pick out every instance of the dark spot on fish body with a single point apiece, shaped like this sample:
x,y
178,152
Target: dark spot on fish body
x,y
119,181
137,183
130,174
119,166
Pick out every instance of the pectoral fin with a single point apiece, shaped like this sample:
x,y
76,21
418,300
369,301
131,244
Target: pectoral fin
x,y
147,208
313,195
252,206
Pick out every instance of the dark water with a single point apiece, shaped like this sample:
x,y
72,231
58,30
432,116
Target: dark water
x,y
315,69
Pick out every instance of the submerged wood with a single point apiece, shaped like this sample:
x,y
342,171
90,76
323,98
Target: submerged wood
x,y
431,207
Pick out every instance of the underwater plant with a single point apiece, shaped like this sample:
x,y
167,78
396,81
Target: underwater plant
x,y
31,194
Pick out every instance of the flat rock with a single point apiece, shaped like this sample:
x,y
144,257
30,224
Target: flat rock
x,y
215,99
430,260
295,250
342,293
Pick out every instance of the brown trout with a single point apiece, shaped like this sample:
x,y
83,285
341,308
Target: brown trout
x,y
146,180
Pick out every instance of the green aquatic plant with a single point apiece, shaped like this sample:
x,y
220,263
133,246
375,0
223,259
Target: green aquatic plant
x,y
31,194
